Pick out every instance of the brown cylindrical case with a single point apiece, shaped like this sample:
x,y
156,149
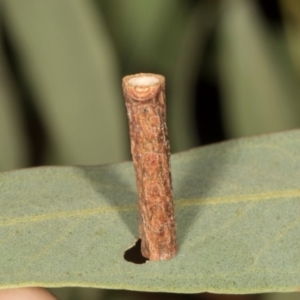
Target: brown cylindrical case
x,y
146,108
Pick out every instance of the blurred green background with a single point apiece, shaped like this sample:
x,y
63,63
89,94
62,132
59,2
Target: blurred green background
x,y
232,69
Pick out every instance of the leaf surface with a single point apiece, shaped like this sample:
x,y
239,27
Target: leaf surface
x,y
237,210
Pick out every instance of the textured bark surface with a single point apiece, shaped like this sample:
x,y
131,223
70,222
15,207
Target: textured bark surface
x,y
145,101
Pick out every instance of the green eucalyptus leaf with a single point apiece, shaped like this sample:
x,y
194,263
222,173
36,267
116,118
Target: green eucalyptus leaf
x,y
14,148
67,58
237,211
259,86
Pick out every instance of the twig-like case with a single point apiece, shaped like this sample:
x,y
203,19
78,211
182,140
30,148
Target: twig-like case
x,y
145,101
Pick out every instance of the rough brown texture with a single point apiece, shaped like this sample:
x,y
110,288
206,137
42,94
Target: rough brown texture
x,y
145,101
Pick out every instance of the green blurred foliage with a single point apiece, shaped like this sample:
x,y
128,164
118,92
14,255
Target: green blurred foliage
x,y
260,89
61,64
65,62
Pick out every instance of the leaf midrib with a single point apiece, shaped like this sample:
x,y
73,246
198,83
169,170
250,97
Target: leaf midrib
x,y
287,194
